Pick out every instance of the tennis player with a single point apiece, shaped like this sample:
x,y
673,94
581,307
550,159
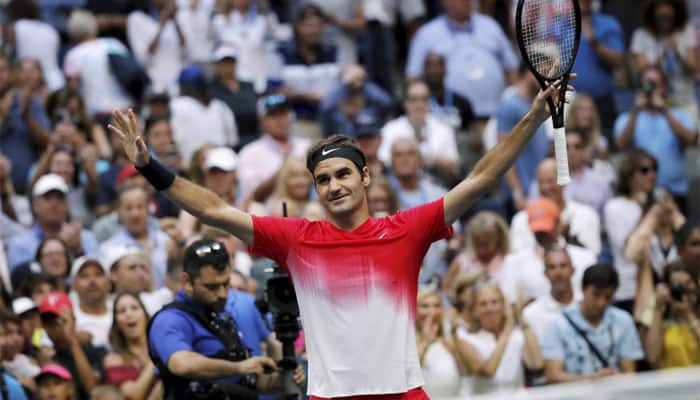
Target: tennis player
x,y
355,276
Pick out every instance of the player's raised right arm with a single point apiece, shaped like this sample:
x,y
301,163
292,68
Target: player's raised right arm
x,y
198,201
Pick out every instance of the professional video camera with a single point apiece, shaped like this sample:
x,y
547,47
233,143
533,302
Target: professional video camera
x,y
282,302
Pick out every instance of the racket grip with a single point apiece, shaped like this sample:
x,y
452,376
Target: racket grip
x,y
562,158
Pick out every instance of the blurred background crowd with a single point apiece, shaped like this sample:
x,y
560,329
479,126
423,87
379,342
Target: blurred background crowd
x,y
231,94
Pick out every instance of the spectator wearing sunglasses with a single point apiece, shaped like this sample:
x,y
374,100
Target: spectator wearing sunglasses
x,y
662,130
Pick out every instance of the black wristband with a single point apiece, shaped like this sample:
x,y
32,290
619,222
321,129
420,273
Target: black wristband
x,y
157,174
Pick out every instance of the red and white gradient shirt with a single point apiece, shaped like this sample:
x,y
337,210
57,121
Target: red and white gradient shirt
x,y
357,295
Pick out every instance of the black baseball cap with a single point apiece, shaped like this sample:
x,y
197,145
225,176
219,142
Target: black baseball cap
x,y
273,103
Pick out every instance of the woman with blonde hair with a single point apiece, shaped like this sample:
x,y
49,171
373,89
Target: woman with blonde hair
x,y
293,186
500,342
436,350
485,246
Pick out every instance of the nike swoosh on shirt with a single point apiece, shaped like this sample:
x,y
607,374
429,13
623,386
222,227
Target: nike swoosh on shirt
x,y
325,152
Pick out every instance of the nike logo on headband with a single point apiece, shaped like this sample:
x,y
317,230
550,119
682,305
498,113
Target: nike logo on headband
x,y
326,152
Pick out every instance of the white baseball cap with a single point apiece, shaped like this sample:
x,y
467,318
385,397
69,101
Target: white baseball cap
x,y
224,52
222,158
115,253
48,183
22,305
79,263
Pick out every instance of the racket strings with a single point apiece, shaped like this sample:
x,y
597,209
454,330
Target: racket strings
x,y
549,35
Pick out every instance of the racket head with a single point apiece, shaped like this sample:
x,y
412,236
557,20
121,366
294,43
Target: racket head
x,y
548,33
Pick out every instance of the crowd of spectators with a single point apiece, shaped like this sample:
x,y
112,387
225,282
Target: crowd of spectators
x,y
540,283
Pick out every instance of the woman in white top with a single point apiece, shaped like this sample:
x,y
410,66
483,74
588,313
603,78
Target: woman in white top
x,y
500,347
36,40
436,351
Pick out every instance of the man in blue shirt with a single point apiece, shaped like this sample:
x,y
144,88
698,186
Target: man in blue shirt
x,y
251,326
185,350
663,131
591,339
480,58
601,49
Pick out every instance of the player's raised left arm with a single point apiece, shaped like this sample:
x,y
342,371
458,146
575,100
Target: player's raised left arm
x,y
497,161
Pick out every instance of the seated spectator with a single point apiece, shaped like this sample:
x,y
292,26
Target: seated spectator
x,y
668,40
559,270
73,167
438,146
523,271
239,258
479,57
51,220
581,225
621,214
37,287
239,95
196,118
27,312
52,258
485,247
368,136
381,197
508,112
436,350
55,383
293,188
500,347
159,139
583,116
83,361
591,339
129,366
671,328
31,80
111,16
308,69
449,107
24,127
660,129
34,39
92,310
136,231
88,61
68,106
158,42
22,367
687,241
260,160
345,21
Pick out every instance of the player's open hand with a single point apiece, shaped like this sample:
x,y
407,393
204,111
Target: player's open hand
x,y
126,127
540,106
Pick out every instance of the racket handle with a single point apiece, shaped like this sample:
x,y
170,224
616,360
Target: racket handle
x,y
563,177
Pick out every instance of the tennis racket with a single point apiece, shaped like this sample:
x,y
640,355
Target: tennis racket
x,y
548,34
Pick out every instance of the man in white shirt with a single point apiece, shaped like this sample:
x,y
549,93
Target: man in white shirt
x,y
260,160
524,270
93,312
581,223
558,270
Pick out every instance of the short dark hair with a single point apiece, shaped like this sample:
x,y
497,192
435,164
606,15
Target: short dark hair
x,y
42,244
600,276
681,236
32,282
677,266
330,141
154,119
680,14
628,167
555,248
205,252
308,10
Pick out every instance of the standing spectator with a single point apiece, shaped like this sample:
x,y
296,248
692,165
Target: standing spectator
x,y
24,127
129,366
668,40
244,28
260,160
438,145
601,49
672,335
158,42
508,112
50,211
89,62
381,197
30,78
501,347
611,343
35,39
83,361
344,21
197,118
621,214
486,245
92,311
663,131
111,16
480,58
239,95
159,139
687,240
293,187
308,70
137,232
52,258
581,225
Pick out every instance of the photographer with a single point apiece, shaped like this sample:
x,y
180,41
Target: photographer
x,y
663,131
672,338
194,346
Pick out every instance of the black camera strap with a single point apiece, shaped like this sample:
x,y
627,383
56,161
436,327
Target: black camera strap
x,y
594,350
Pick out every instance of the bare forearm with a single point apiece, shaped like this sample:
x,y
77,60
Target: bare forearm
x,y
87,376
488,368
142,387
653,342
192,365
609,56
563,377
685,135
39,134
532,355
640,238
624,141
